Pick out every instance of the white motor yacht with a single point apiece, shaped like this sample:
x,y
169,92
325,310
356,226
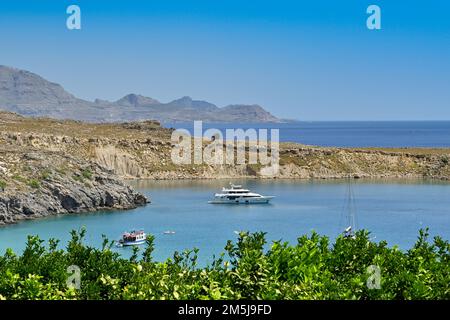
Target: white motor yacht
x,y
235,194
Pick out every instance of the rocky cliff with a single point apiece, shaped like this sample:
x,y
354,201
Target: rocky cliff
x,y
38,181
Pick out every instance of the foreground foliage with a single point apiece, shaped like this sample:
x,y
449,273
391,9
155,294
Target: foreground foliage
x,y
311,269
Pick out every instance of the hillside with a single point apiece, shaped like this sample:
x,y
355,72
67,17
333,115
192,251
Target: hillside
x,y
29,94
142,150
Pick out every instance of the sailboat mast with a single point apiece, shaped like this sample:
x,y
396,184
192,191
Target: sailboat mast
x,y
351,211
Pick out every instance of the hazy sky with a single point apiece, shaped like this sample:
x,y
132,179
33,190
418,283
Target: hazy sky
x,y
309,60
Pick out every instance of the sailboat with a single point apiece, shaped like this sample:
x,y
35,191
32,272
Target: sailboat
x,y
350,212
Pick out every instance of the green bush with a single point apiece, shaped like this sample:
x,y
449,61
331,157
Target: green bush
x,y
310,269
45,174
33,183
19,178
86,173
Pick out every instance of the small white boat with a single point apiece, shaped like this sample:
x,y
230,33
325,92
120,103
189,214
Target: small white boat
x,y
135,237
238,195
169,232
348,233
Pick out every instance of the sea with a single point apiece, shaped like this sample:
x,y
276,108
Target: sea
x,y
393,134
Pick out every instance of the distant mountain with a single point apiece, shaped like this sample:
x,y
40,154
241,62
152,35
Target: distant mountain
x,y
136,100
188,103
29,94
240,111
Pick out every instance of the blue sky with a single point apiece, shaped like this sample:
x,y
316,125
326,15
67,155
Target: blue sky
x,y
308,60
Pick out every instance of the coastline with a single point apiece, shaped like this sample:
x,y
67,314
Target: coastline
x,y
50,167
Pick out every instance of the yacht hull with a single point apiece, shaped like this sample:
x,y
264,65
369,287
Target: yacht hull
x,y
131,243
259,200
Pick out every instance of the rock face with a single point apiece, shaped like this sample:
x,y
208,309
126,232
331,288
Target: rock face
x,y
28,94
38,178
91,189
60,197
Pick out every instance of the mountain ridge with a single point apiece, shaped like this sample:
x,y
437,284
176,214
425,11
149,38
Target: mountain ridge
x,y
29,94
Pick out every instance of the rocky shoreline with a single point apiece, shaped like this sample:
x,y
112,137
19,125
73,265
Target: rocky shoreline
x,y
53,184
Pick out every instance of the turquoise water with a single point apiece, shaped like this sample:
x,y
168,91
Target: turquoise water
x,y
391,210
